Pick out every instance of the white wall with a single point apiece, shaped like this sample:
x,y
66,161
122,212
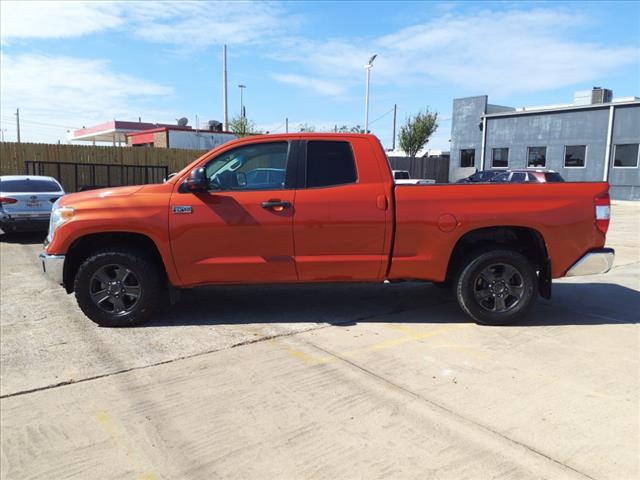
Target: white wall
x,y
198,141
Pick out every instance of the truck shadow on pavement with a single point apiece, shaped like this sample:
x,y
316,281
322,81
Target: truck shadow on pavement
x,y
409,302
27,238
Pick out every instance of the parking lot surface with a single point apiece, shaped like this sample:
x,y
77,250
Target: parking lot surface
x,y
332,381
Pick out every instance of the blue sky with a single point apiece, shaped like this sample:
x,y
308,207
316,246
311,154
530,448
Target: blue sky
x,y
71,64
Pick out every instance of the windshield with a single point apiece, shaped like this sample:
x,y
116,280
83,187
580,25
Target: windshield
x,y
502,178
28,185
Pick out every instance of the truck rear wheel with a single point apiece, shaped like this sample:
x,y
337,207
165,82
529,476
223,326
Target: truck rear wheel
x,y
118,288
497,287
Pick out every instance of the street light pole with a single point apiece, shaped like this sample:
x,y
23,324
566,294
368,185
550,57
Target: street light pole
x,y
224,89
241,87
368,68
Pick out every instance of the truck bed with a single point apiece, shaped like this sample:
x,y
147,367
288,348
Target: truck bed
x,y
431,219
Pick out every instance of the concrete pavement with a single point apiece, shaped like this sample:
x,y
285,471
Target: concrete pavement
x,y
361,381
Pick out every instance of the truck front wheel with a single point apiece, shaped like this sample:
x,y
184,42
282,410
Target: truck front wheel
x,y
118,288
497,287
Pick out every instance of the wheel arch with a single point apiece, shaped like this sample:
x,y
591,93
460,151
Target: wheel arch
x,y
83,247
525,240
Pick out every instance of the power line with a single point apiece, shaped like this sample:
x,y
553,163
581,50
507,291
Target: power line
x,y
382,116
35,122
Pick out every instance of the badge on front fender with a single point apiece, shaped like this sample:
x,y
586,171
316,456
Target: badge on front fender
x,y
181,209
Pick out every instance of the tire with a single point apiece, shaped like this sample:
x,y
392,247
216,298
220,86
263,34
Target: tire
x,y
497,287
119,288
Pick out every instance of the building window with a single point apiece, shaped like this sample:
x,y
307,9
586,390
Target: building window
x,y
467,158
537,157
500,158
625,155
575,156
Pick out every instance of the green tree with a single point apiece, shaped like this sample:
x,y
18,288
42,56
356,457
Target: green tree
x,y
416,131
305,127
347,129
242,126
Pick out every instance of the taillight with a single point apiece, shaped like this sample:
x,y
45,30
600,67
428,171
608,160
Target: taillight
x,y
603,212
7,200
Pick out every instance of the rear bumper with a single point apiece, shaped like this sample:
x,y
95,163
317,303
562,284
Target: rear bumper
x,y
596,261
53,267
17,223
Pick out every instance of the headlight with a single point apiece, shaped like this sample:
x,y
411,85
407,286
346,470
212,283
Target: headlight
x,y
59,216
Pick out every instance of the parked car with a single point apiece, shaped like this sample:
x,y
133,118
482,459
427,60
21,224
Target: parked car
x,y
528,176
401,174
339,217
26,201
482,176
403,177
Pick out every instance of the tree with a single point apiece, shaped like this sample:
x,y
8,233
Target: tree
x,y
305,127
242,126
415,133
347,129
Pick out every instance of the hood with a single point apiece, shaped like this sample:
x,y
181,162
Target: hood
x,y
102,193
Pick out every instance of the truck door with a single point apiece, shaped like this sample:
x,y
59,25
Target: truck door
x,y
341,212
241,230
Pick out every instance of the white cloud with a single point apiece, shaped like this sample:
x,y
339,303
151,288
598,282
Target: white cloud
x,y
58,90
200,24
324,87
48,19
488,51
192,24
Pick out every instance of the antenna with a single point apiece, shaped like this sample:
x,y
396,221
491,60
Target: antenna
x,y
182,122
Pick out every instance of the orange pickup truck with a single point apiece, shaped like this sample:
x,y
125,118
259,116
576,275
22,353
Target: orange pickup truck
x,y
321,208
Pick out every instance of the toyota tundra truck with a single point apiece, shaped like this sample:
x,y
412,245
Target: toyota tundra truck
x,y
311,208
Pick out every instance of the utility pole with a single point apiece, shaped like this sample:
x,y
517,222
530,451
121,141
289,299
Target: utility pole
x,y
395,111
286,125
224,89
18,123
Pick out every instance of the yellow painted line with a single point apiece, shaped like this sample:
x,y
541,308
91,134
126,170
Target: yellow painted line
x,y
309,359
410,335
103,418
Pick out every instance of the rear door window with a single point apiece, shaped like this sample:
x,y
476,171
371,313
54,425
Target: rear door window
x,y
329,163
30,185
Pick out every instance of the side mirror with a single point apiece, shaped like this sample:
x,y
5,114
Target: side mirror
x,y
197,181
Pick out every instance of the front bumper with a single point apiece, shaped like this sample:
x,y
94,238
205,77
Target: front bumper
x,y
53,267
593,262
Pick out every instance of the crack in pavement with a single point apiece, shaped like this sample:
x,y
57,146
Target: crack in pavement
x,y
207,352
446,410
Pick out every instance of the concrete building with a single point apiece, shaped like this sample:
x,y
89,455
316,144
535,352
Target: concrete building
x,y
179,137
114,132
595,138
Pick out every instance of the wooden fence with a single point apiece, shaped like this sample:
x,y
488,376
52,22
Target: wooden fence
x,y
436,168
14,155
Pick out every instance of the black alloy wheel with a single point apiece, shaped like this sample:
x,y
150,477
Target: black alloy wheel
x,y
115,289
